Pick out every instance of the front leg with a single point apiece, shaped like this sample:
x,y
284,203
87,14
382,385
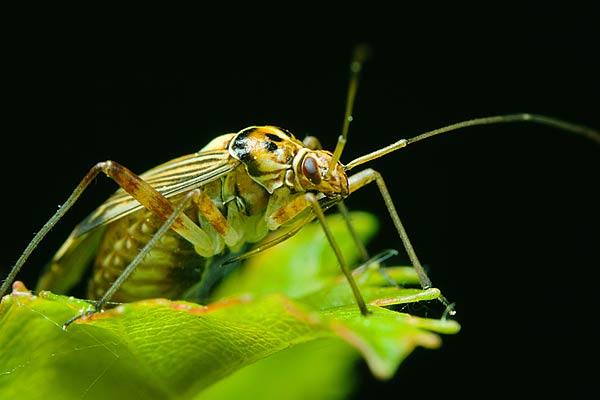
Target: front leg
x,y
363,178
296,206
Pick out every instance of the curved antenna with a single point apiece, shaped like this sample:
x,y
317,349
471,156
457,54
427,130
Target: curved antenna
x,y
584,131
361,54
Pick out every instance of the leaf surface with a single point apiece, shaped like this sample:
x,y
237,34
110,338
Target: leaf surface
x,y
268,320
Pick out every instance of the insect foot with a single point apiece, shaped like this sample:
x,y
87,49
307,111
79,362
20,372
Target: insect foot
x,y
83,315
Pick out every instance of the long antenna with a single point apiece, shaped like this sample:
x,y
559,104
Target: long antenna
x,y
498,119
361,53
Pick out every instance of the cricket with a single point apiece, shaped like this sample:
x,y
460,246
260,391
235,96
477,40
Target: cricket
x,y
167,232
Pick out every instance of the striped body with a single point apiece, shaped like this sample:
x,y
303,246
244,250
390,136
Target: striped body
x,y
166,272
251,177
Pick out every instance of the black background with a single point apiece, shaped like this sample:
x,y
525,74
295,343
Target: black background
x,y
506,217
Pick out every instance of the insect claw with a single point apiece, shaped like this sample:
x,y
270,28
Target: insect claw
x,y
449,311
79,316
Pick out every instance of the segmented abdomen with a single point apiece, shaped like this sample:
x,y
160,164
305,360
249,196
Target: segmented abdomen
x,y
168,270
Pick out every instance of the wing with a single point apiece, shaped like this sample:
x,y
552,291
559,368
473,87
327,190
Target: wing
x,y
170,179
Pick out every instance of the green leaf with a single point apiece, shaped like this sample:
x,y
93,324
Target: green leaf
x,y
263,327
319,369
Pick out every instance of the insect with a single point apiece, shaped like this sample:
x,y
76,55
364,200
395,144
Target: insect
x,y
163,232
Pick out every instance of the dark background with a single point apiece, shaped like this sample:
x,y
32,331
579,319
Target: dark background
x,y
506,217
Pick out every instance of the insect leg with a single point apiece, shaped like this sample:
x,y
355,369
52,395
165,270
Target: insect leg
x,y
295,207
39,236
206,207
216,218
362,178
213,216
364,255
152,200
138,189
168,224
338,253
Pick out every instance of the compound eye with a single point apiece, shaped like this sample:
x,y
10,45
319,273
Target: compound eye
x,y
310,170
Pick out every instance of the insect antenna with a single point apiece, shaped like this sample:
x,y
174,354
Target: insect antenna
x,y
361,54
498,119
364,177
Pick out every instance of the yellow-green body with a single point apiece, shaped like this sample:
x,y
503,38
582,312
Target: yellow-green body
x,y
250,177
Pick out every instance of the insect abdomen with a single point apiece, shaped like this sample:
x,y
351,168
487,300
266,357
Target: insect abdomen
x,y
168,270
